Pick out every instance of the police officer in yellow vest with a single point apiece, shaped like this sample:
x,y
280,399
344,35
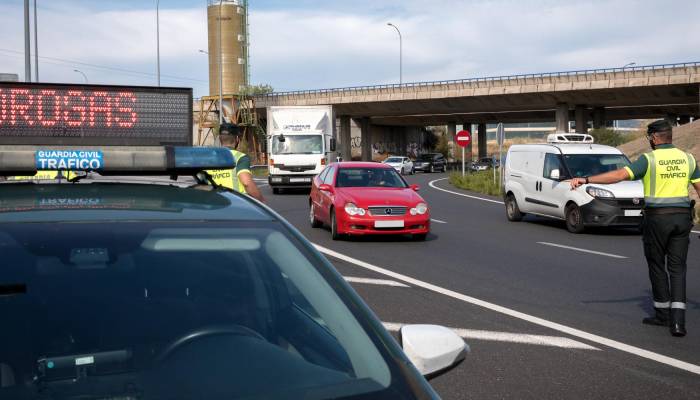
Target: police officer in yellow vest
x,y
239,179
666,172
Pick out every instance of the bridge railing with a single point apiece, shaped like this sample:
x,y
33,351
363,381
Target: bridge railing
x,y
484,79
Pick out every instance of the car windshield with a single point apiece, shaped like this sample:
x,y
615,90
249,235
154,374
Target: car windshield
x,y
394,160
580,165
176,310
426,157
370,177
297,144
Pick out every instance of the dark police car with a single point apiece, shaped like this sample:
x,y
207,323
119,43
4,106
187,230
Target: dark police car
x,y
181,290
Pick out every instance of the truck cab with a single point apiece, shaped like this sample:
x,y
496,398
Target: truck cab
x,y
299,140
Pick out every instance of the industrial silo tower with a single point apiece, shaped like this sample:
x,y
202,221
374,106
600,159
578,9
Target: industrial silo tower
x,y
228,36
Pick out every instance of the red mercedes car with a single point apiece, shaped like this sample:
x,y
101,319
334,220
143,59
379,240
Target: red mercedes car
x,y
363,198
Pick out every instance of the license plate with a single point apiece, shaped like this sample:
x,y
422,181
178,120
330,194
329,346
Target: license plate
x,y
299,180
633,213
389,224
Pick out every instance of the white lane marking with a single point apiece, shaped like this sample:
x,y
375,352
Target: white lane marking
x,y
519,315
600,253
438,221
520,338
432,185
385,282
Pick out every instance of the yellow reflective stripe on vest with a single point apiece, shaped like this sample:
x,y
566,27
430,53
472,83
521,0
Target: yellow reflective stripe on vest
x,y
228,178
667,177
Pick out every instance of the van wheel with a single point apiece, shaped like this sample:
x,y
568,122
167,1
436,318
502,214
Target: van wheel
x,y
574,219
315,223
512,210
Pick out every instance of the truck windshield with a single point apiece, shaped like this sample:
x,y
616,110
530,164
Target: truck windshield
x,y
581,165
298,144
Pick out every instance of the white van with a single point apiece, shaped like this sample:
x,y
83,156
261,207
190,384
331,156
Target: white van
x,y
534,183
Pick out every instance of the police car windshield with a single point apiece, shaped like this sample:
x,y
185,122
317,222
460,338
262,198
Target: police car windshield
x,y
298,144
177,310
581,165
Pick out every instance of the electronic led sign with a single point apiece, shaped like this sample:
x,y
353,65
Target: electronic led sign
x,y
94,115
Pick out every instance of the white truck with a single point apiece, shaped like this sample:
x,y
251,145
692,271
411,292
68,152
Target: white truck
x,y
298,142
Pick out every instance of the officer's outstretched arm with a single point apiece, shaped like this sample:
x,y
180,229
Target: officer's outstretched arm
x,y
246,178
618,175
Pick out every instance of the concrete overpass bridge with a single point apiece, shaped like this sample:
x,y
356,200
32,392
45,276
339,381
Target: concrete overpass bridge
x,y
597,96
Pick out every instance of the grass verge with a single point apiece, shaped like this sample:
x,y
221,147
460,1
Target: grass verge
x,y
480,182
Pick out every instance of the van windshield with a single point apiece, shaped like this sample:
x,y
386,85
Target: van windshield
x,y
580,165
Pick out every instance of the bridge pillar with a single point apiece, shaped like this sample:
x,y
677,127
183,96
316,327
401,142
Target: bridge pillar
x,y
581,119
451,133
483,150
562,117
598,118
345,138
365,138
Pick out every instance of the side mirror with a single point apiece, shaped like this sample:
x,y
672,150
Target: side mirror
x,y
326,188
415,187
554,175
432,349
332,144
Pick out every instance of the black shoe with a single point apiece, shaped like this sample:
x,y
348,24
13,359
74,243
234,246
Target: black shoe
x,y
678,322
661,318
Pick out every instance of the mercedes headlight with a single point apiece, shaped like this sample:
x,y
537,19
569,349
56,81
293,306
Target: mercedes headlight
x,y
599,193
352,209
419,209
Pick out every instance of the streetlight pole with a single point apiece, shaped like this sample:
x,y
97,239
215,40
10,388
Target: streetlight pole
x,y
221,74
36,46
400,52
158,38
27,45
81,73
203,51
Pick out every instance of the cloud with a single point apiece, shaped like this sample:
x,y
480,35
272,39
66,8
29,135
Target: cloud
x,y
319,44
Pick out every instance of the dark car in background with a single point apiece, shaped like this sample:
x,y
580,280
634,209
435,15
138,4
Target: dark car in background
x,y
484,164
430,162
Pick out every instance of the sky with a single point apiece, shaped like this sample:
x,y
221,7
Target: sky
x,y
312,44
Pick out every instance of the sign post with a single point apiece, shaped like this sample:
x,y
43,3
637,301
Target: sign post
x,y
500,138
463,138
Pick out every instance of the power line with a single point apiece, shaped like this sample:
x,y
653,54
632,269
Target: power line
x,y
104,67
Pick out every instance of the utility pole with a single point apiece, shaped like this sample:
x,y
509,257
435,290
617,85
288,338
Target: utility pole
x,y
36,46
27,45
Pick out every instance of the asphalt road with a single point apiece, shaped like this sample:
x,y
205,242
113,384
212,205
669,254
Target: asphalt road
x,y
547,314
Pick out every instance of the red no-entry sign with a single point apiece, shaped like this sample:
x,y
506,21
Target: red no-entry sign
x,y
463,138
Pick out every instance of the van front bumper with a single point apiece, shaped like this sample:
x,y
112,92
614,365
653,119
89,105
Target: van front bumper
x,y
612,212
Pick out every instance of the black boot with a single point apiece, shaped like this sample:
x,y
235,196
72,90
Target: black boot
x,y
678,322
661,317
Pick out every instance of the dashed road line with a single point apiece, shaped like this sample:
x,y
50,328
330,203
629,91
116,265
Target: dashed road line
x,y
438,221
385,282
600,253
432,185
508,337
649,355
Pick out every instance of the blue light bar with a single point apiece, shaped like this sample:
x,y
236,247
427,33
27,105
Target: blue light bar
x,y
203,157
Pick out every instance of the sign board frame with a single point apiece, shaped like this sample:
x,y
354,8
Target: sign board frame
x,y
59,114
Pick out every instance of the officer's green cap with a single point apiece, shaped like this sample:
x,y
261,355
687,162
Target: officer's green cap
x,y
659,126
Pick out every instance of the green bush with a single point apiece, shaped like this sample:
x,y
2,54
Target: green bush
x,y
609,137
481,182
442,145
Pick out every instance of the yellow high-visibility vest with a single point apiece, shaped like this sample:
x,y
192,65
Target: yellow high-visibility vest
x,y
40,175
229,177
668,176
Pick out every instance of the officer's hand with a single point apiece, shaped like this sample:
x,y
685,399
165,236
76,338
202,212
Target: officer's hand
x,y
576,182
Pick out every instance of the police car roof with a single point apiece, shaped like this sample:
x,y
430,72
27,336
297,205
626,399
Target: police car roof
x,y
88,202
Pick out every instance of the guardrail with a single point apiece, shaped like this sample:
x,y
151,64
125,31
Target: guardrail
x,y
485,79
